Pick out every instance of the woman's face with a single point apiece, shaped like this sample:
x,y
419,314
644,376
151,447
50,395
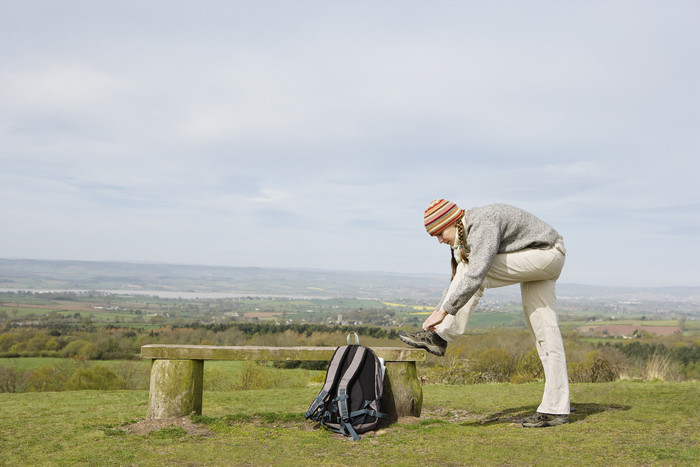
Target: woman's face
x,y
448,235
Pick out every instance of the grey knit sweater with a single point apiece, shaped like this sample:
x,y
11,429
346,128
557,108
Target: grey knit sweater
x,y
490,230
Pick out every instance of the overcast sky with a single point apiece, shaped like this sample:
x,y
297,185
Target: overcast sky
x,y
313,134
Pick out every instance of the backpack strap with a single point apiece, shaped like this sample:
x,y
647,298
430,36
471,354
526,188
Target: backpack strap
x,y
367,411
342,399
314,411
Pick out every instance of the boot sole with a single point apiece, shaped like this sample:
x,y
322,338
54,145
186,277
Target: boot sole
x,y
544,424
421,345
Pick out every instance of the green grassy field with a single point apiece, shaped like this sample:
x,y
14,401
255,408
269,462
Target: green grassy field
x,y
486,319
79,310
218,375
620,423
31,363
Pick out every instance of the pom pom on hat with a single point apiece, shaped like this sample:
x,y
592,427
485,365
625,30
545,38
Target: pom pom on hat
x,y
440,214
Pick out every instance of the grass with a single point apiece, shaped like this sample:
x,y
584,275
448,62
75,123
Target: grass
x,y
488,319
218,375
620,423
689,324
32,363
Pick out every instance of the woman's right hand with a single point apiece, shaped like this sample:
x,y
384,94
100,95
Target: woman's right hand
x,y
434,319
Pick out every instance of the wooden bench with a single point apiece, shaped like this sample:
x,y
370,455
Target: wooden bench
x,y
177,374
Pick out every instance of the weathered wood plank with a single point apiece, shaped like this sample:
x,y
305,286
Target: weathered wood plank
x,y
211,352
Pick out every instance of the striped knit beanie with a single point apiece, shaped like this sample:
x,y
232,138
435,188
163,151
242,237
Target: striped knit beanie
x,y
440,215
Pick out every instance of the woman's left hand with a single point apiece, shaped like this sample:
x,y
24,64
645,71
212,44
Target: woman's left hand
x,y
434,319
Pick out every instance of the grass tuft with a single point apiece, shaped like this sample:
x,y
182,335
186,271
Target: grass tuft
x,y
172,432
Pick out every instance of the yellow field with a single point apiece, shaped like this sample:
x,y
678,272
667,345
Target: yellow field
x,y
415,307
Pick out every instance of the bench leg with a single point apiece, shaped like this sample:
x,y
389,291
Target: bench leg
x,y
176,388
403,395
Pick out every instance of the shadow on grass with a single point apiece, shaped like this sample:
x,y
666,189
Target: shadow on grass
x,y
579,412
261,418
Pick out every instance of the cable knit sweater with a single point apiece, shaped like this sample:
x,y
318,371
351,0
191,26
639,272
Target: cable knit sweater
x,y
490,230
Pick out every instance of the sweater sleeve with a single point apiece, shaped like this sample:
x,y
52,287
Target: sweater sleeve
x,y
484,241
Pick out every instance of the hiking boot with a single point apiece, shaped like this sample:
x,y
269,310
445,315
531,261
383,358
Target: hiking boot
x,y
540,420
427,340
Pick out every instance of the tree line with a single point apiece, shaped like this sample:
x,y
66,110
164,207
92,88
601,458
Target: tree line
x,y
112,342
495,355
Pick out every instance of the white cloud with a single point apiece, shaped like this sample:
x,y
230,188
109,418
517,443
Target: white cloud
x,y
55,89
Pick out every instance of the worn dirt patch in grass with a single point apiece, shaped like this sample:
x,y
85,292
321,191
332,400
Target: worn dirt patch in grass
x,y
450,415
148,425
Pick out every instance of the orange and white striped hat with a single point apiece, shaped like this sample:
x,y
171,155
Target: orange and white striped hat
x,y
440,214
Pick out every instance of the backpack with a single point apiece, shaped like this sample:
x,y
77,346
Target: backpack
x,y
350,401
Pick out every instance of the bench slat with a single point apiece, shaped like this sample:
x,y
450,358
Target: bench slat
x,y
213,352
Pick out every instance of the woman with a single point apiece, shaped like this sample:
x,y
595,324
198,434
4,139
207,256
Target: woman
x,y
495,246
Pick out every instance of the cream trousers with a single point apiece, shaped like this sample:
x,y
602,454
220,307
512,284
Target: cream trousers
x,y
536,271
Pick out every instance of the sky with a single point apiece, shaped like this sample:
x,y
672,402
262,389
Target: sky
x,y
313,134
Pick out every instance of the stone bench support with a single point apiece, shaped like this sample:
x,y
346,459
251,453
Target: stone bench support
x,y
177,374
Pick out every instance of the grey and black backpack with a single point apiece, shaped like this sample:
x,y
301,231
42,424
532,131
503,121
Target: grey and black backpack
x,y
350,401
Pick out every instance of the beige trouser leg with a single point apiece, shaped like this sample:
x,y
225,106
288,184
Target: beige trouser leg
x,y
536,271
455,325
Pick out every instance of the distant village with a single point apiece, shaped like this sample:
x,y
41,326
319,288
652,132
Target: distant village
x,y
628,331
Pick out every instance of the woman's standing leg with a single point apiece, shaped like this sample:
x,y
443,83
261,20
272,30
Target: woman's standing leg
x,y
539,305
537,272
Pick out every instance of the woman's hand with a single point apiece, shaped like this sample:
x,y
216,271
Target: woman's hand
x,y
434,319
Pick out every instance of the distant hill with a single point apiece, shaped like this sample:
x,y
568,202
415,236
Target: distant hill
x,y
26,274
86,275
